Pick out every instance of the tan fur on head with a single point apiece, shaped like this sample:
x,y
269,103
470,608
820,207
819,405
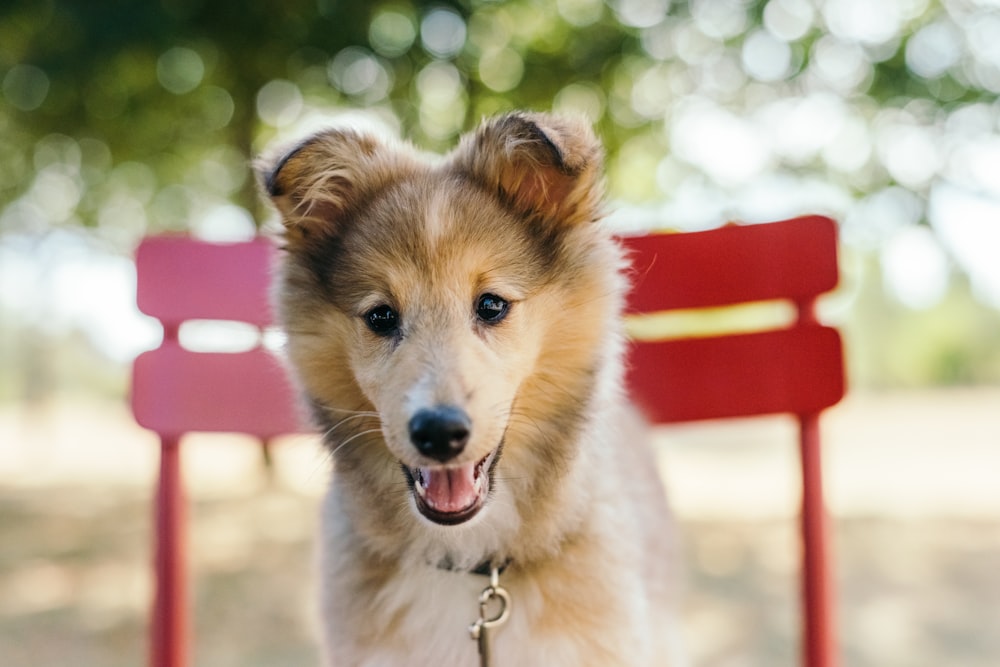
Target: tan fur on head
x,y
542,165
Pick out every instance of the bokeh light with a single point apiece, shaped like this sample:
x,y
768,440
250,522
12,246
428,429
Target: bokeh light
x,y
442,96
442,33
356,71
881,114
25,87
279,102
180,70
392,33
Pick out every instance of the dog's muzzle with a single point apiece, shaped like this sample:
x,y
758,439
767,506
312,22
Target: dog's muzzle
x,y
447,494
441,432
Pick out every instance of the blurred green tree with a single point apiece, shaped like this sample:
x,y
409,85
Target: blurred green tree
x,y
124,117
171,99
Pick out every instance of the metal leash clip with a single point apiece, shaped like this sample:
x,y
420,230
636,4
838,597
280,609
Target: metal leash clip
x,y
481,630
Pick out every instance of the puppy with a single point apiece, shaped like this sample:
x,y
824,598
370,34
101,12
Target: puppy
x,y
454,324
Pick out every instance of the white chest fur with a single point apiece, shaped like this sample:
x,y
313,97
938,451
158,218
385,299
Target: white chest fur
x,y
429,611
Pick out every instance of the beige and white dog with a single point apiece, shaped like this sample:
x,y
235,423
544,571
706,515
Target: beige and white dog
x,y
455,326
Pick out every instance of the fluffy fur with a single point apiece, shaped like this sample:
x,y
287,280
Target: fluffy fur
x,y
573,505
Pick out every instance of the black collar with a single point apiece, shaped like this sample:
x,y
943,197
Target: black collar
x,y
484,569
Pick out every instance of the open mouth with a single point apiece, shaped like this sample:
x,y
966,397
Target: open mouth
x,y
450,495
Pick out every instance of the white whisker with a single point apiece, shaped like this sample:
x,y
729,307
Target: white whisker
x,y
353,438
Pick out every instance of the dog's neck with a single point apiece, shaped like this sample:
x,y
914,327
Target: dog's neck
x,y
484,568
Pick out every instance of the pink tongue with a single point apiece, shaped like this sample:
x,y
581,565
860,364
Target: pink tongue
x,y
450,489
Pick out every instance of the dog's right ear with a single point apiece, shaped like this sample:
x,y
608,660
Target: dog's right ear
x,y
541,164
322,180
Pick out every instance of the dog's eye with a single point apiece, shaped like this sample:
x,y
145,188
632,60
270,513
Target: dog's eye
x,y
382,320
491,309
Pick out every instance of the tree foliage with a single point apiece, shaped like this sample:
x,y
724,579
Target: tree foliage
x,y
179,94
123,117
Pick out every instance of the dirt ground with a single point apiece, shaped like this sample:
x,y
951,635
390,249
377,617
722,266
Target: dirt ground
x,y
910,478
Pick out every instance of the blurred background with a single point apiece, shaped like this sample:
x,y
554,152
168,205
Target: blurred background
x,y
125,118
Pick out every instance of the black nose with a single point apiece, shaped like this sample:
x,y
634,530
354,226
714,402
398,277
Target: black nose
x,y
440,432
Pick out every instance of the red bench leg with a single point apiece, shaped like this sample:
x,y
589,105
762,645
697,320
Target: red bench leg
x,y
169,632
819,636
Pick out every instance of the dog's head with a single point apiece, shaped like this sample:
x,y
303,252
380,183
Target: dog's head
x,y
450,317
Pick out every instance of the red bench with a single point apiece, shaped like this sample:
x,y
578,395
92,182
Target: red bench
x,y
796,368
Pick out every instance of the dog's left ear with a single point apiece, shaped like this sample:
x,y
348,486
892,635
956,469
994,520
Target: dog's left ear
x,y
316,185
541,164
